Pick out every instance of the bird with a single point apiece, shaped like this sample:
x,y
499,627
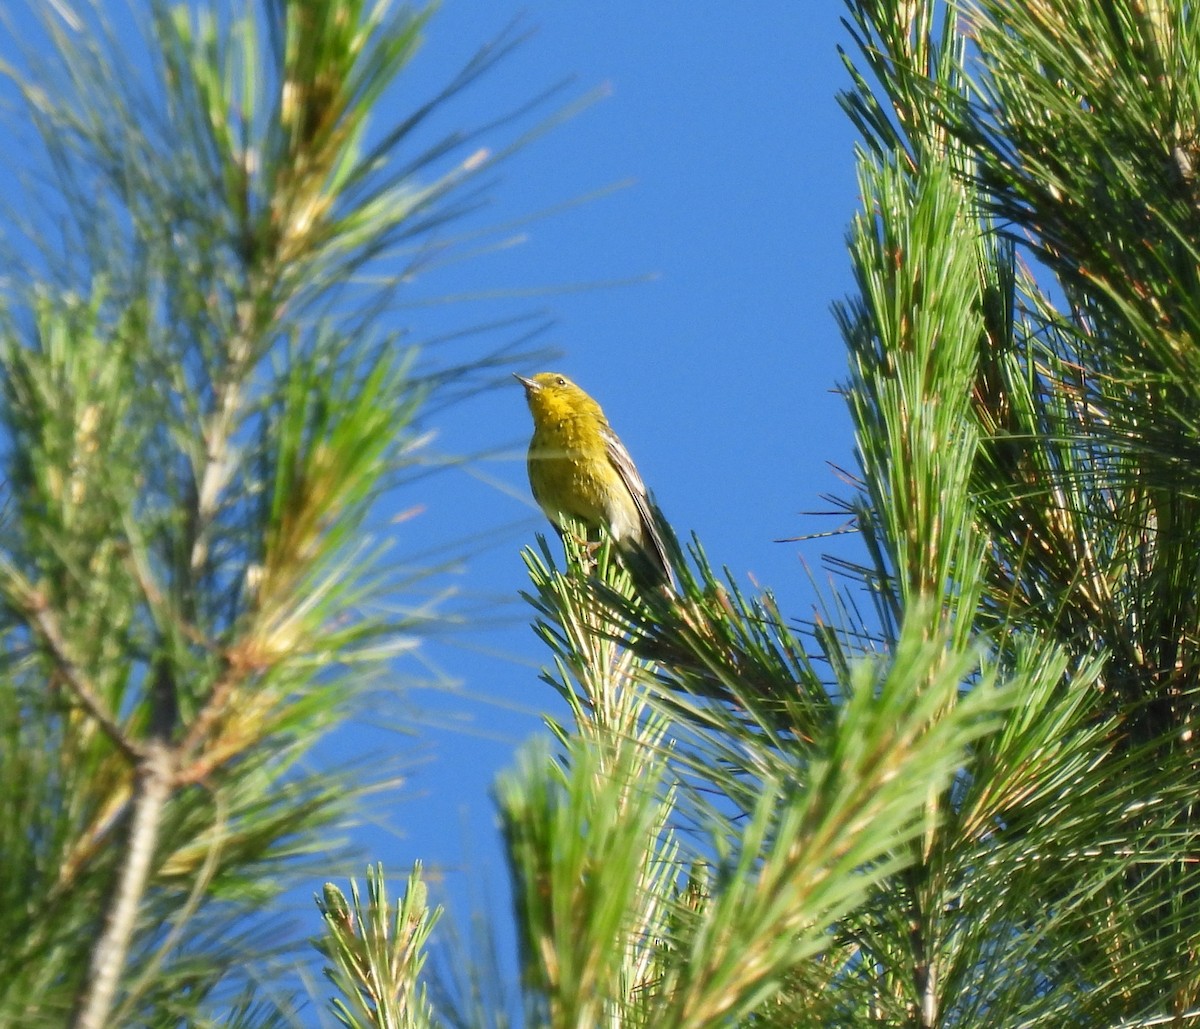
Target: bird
x,y
580,470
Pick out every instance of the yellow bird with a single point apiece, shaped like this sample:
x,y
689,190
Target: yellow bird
x,y
579,469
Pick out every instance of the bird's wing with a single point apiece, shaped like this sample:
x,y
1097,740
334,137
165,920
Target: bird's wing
x,y
623,463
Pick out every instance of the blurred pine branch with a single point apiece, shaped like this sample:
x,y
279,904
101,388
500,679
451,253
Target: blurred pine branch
x,y
200,409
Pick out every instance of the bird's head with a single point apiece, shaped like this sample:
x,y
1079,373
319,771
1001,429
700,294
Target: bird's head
x,y
555,397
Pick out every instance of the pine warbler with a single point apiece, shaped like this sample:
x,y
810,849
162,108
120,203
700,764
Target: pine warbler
x,y
578,469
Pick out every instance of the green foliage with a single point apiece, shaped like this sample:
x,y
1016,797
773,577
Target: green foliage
x,y
624,919
594,865
377,952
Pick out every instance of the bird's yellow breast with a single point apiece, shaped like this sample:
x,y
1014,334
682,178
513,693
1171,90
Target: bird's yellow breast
x,y
571,475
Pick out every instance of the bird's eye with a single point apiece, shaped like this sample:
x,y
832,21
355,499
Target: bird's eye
x,y
561,381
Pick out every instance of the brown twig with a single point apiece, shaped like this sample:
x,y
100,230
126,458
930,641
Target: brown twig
x,y
208,715
47,627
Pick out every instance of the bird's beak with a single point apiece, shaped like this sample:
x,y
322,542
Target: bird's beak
x,y
529,384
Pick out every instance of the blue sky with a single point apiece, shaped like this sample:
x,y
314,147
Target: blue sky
x,y
715,362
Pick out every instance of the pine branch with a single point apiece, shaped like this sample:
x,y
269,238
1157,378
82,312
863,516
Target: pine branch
x,y
378,952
